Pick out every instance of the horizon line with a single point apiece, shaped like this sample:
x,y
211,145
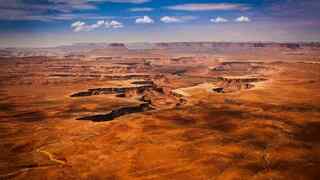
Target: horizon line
x,y
169,42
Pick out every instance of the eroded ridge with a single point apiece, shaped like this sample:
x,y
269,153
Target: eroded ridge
x,y
233,84
113,90
238,68
151,96
118,112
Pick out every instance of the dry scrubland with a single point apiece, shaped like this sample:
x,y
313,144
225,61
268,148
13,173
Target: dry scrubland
x,y
166,113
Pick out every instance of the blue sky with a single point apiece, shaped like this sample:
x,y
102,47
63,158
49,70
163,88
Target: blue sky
x,y
29,23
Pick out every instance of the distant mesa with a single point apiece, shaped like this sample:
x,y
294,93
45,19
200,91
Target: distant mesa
x,y
105,48
117,45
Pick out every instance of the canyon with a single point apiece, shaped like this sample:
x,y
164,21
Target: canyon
x,y
184,110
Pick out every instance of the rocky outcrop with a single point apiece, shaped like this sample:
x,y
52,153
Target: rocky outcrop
x,y
118,112
117,45
150,94
240,79
239,66
126,76
145,82
113,90
227,85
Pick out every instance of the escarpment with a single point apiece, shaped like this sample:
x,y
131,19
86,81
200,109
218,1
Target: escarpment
x,y
118,112
152,96
229,84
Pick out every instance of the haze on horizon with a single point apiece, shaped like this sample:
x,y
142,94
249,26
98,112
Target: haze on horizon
x,y
34,23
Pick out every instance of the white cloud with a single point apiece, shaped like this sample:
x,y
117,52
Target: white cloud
x,y
144,20
209,7
145,9
114,24
79,26
175,19
219,20
77,23
97,25
243,19
170,19
101,22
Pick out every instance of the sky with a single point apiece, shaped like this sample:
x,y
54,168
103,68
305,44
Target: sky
x,y
46,23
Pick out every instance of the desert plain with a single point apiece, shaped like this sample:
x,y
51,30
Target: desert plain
x,y
204,110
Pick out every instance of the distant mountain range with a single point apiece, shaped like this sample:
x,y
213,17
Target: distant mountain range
x,y
206,47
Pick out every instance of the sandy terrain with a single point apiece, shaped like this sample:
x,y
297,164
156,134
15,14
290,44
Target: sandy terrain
x,y
160,116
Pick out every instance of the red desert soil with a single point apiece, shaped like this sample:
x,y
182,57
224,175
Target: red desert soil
x,y
263,123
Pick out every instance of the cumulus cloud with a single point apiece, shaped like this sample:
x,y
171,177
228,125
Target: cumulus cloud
x,y
144,20
170,19
77,23
243,19
145,9
218,20
79,26
98,24
175,19
209,7
114,24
